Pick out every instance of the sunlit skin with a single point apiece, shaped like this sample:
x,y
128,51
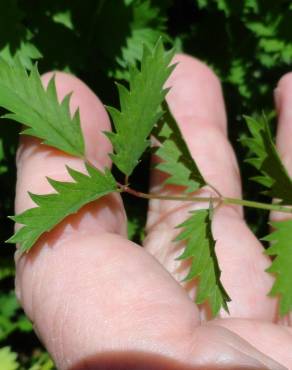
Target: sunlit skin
x,y
92,294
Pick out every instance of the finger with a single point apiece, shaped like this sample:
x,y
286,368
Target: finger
x,y
197,104
283,100
84,286
36,161
209,347
274,340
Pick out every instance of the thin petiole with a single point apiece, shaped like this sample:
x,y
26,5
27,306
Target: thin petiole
x,y
220,199
139,194
252,204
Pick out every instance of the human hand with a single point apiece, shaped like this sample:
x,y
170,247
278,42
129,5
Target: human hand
x,y
98,301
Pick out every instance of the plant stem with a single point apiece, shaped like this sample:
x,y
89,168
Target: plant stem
x,y
139,194
252,204
216,191
221,199
189,198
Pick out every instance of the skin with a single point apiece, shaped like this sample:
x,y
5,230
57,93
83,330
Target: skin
x,y
93,295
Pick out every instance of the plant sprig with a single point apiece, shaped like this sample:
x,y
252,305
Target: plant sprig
x,y
144,112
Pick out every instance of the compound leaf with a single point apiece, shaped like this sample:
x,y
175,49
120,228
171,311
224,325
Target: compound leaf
x,y
200,248
281,249
140,108
68,199
30,104
265,158
177,160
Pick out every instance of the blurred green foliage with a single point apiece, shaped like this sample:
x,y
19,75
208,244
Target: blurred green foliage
x,y
247,43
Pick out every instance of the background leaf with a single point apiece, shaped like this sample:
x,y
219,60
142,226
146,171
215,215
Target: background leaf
x,y
15,38
42,362
147,26
8,359
11,318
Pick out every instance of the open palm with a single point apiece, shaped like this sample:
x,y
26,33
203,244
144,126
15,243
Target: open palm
x,y
98,301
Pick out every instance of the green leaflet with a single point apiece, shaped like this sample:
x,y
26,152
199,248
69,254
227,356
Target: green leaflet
x,y
53,208
266,159
281,248
177,159
140,108
30,104
200,247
